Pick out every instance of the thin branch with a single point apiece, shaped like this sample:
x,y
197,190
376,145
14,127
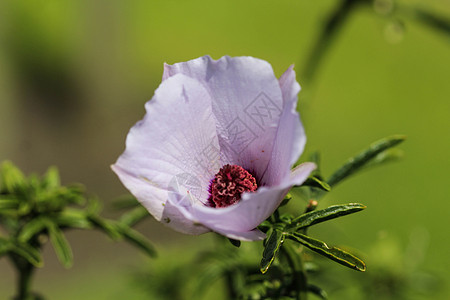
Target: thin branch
x,y
329,32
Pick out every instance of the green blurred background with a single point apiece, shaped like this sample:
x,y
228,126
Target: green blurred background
x,y
74,77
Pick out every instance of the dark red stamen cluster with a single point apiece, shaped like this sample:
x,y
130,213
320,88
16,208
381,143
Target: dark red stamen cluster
x,y
229,184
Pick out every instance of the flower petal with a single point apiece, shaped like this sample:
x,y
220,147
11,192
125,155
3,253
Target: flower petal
x,y
290,138
247,104
173,217
301,172
252,235
222,220
239,220
174,148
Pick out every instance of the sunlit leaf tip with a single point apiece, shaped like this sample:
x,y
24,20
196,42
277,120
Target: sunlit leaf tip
x,y
336,254
365,157
315,182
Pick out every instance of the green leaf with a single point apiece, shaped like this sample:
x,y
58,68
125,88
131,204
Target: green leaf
x,y
315,182
30,229
31,254
25,207
338,255
72,218
74,194
314,289
138,240
93,206
286,199
51,178
125,202
134,216
107,226
11,177
60,244
271,248
8,202
265,226
390,155
357,162
318,216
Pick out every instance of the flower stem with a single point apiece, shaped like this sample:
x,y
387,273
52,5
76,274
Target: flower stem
x,y
25,272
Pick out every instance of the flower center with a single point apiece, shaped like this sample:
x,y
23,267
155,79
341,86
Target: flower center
x,y
229,184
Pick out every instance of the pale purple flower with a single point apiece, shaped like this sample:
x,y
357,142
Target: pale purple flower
x,y
215,149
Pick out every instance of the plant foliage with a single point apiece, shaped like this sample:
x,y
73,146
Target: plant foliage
x,y
34,210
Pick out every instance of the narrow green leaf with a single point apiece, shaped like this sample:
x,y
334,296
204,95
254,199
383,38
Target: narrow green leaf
x,y
357,162
10,177
30,229
93,206
31,254
74,194
338,255
318,216
390,155
271,248
265,226
60,244
286,199
51,178
8,202
134,216
72,218
315,182
25,207
107,226
125,202
138,240
314,289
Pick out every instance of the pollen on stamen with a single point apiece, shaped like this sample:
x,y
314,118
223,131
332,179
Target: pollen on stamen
x,y
229,184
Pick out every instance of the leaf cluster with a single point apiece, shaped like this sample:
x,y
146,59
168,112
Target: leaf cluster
x,y
285,266
36,209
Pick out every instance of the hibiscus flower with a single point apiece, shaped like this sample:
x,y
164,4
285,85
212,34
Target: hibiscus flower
x,y
215,149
